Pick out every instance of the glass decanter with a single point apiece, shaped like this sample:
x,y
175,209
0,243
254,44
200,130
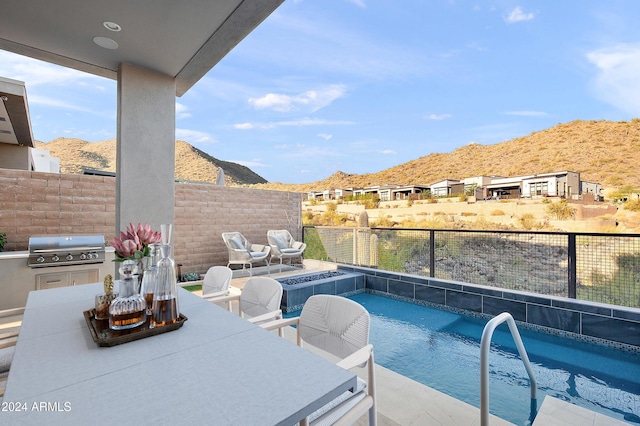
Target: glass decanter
x,y
129,309
165,297
150,276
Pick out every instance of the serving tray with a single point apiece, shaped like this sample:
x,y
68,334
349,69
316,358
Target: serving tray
x,y
104,336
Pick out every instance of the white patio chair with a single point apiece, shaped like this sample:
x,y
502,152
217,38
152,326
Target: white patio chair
x,y
341,327
283,246
259,301
216,283
242,252
10,321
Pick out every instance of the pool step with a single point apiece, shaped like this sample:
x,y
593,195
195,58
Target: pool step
x,y
556,412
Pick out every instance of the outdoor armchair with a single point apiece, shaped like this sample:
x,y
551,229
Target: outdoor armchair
x,y
242,252
339,326
216,283
259,301
283,246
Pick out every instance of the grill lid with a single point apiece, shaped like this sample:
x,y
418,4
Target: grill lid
x,y
50,250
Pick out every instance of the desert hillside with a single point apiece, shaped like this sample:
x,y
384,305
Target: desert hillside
x,y
602,151
192,164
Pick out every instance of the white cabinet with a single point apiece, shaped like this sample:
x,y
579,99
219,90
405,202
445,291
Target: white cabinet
x,y
65,279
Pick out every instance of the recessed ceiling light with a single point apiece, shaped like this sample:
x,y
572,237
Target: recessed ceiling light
x,y
111,26
105,42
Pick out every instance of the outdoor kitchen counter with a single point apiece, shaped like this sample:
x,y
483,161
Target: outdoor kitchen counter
x,y
17,279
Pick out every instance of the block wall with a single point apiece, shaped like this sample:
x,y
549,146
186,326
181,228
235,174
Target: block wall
x,y
35,203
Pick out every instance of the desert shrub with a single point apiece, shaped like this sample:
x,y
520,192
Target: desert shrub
x,y
371,203
632,205
497,213
423,214
463,197
528,221
383,222
332,207
562,210
439,214
432,201
464,214
546,201
313,202
409,202
623,193
307,218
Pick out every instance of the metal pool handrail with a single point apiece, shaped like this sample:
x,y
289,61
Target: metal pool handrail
x,y
485,345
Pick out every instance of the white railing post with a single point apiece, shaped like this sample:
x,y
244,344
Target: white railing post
x,y
485,346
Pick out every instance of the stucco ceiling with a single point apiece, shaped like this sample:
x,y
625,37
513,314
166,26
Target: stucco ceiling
x,y
182,39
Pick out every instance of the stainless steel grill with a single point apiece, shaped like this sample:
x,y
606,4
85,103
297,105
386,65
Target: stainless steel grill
x,y
58,250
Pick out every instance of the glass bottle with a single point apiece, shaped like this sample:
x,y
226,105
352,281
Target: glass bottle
x,y
150,276
165,296
129,309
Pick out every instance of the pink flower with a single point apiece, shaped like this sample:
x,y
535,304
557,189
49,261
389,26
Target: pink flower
x,y
134,244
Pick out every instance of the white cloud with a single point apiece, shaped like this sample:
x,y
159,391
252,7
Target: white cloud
x,y
194,136
617,80
325,136
182,111
437,116
388,152
527,113
312,100
517,15
359,3
254,163
34,72
303,122
57,103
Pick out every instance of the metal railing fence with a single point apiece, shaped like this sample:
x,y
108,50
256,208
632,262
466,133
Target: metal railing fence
x,y
587,266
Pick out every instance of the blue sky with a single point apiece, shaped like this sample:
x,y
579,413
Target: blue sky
x,y
363,85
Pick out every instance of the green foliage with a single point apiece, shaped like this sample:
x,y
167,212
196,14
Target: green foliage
x,y
315,249
307,218
3,240
395,250
561,210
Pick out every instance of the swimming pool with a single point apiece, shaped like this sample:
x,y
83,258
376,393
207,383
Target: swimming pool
x,y
441,349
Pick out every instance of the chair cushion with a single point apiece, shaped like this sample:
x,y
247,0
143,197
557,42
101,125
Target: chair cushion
x,y
258,254
6,356
357,396
236,243
290,250
280,242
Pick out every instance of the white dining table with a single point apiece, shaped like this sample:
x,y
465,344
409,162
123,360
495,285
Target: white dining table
x,y
217,369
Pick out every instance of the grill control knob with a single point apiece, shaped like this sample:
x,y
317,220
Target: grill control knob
x,y
89,255
40,259
83,256
55,258
69,256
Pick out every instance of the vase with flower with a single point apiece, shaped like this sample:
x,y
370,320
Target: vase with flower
x,y
134,245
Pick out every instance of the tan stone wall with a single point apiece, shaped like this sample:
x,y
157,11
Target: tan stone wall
x,y
34,203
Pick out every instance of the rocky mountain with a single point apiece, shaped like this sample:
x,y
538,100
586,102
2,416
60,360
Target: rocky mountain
x,y
605,152
192,164
602,151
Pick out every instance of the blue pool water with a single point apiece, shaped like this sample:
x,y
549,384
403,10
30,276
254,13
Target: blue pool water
x,y
442,350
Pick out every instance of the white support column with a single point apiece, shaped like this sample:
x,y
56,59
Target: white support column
x,y
145,155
